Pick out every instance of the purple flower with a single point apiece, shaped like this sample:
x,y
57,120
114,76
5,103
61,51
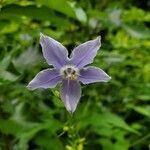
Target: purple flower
x,y
68,70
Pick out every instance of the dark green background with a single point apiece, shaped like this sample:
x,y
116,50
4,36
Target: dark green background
x,y
110,116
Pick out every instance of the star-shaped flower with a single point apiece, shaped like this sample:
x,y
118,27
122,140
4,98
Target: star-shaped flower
x,y
70,71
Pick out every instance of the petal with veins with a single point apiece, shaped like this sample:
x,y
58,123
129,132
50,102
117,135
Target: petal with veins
x,y
70,94
53,51
92,75
45,79
85,53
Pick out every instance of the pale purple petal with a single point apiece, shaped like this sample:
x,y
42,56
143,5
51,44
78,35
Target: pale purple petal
x,y
92,75
70,94
47,78
53,51
85,53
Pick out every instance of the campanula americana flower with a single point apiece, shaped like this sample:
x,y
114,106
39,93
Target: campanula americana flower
x,y
68,71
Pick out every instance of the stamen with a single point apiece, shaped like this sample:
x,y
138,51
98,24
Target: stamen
x,y
69,72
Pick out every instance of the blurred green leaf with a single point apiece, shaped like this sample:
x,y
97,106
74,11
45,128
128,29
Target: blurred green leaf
x,y
118,122
146,72
135,14
66,9
16,12
106,144
4,63
138,31
144,110
7,77
11,27
115,16
26,136
81,15
79,12
123,145
49,142
27,59
107,120
12,127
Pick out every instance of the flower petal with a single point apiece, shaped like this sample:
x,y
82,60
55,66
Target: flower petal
x,y
54,52
93,74
47,78
85,53
70,94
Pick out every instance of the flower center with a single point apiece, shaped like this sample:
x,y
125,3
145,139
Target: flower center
x,y
69,72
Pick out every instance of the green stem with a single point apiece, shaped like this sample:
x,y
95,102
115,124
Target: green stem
x,y
73,133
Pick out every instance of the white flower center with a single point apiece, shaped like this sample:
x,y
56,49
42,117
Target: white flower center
x,y
69,72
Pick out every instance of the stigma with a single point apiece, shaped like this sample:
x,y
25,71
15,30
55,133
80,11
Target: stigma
x,y
69,72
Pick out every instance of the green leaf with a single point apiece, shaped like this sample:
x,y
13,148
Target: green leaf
x,y
9,28
114,16
79,12
55,4
7,77
4,63
81,15
106,144
144,97
144,110
12,127
109,119
16,12
135,14
121,145
138,31
146,72
27,59
25,137
47,141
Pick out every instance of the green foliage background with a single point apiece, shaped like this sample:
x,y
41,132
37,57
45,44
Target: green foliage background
x,y
110,116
